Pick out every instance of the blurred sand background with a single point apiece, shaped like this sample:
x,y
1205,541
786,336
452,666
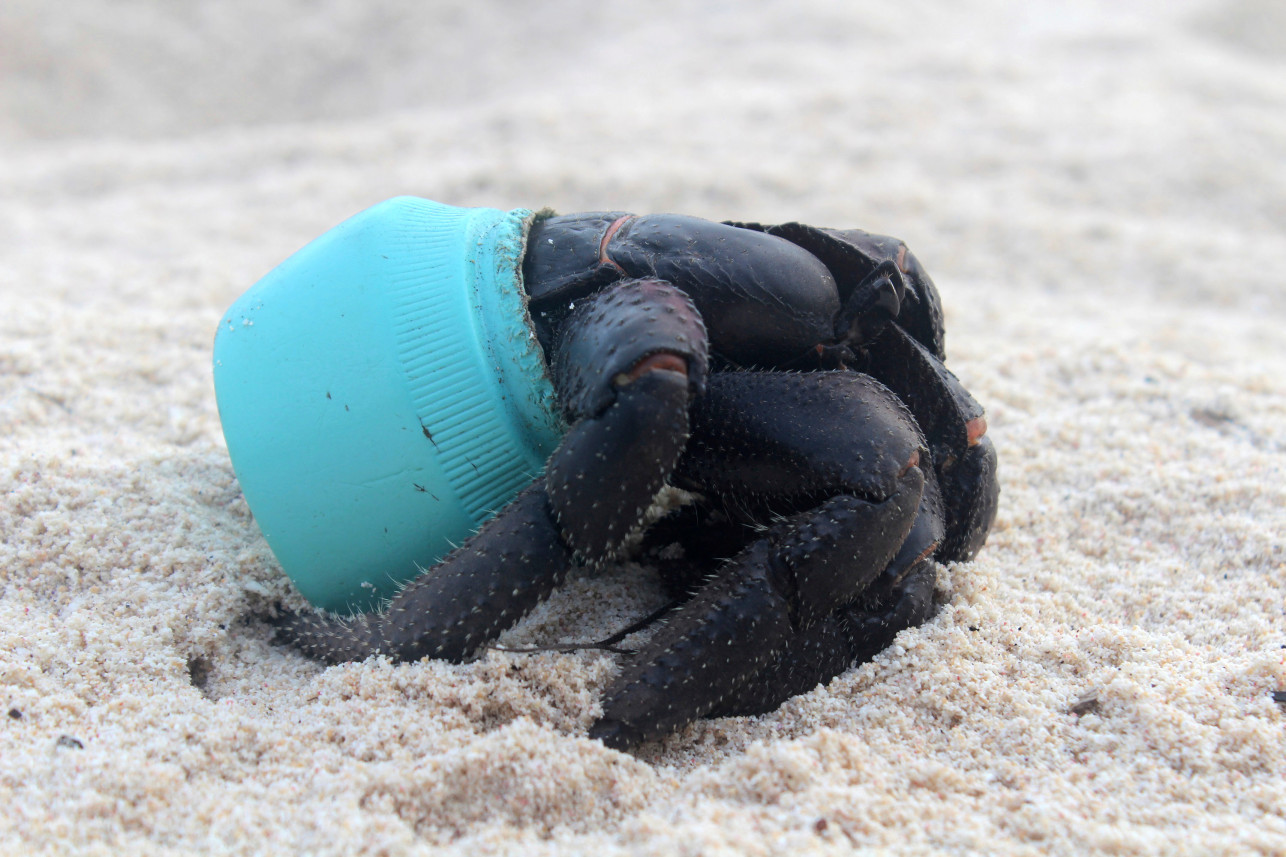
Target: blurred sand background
x,y
1099,190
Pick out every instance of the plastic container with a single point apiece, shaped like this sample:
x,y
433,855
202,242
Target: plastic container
x,y
382,394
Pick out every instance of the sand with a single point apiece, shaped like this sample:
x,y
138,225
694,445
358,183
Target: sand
x,y
1100,192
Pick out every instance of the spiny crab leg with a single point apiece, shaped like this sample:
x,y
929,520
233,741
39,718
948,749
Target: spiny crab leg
x,y
484,586
779,587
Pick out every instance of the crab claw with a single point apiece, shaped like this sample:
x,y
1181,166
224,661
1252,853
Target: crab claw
x,y
604,474
628,362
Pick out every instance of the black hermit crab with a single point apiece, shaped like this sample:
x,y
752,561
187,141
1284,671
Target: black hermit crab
x,y
792,380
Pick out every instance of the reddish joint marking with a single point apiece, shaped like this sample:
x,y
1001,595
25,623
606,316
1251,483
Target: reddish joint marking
x,y
662,361
901,261
975,429
913,461
607,237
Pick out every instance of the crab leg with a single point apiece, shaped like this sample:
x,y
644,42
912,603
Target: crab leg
x,y
842,457
899,598
488,583
963,457
869,632
774,593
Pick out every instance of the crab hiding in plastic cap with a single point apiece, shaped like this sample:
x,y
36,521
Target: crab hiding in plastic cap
x,y
421,365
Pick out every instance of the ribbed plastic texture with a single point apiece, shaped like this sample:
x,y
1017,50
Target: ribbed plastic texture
x,y
382,393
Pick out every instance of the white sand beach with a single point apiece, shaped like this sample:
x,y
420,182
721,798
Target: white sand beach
x,y
1099,191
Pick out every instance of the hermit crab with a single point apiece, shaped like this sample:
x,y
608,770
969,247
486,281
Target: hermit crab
x,y
791,380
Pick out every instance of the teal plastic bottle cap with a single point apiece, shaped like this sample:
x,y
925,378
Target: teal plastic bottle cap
x,y
382,393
